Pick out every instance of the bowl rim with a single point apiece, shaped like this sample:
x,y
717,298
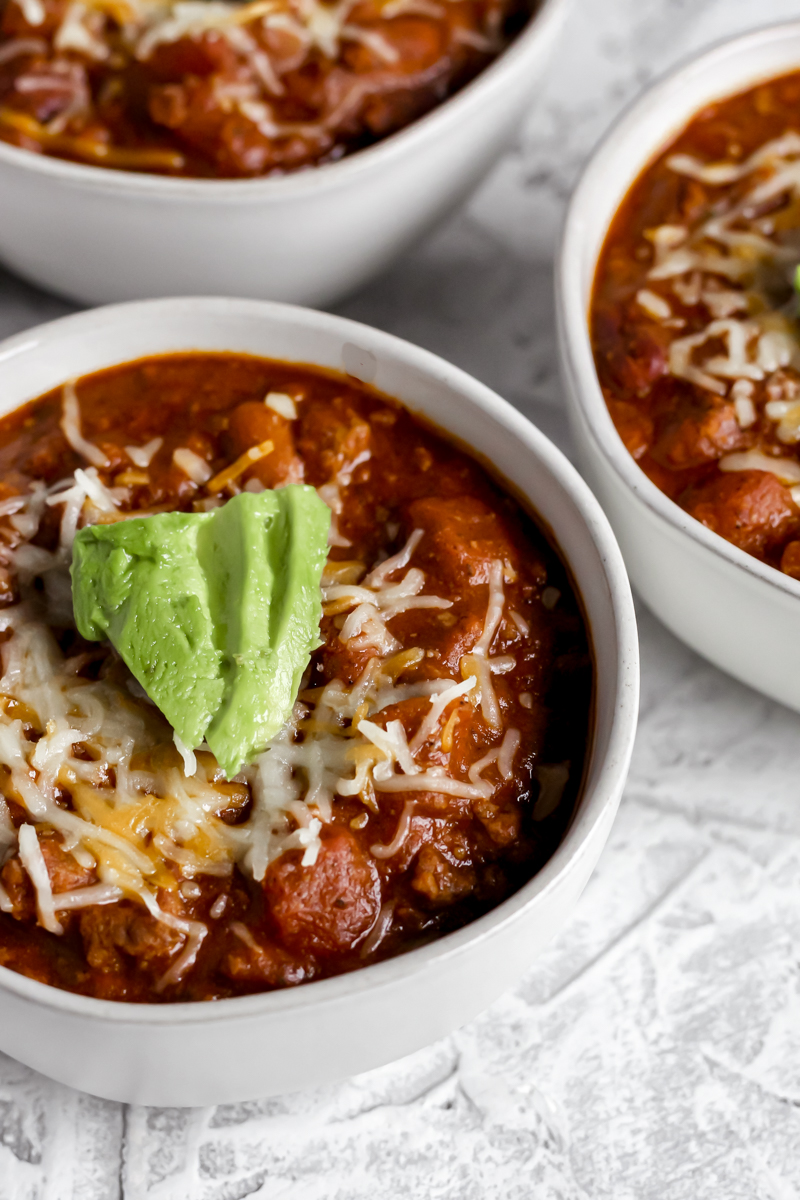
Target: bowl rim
x,y
435,123
593,804
572,307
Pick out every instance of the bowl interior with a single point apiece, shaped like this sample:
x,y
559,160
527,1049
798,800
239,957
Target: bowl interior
x,y
34,362
652,121
640,135
543,23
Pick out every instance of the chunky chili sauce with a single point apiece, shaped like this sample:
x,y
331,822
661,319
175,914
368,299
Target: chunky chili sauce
x,y
436,747
215,88
694,321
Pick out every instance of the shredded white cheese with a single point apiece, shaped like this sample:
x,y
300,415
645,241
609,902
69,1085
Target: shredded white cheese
x,y
71,428
192,465
166,815
787,470
32,11
653,304
494,615
282,404
401,833
142,456
30,853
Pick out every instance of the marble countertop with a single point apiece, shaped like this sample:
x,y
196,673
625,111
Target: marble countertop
x,y
653,1051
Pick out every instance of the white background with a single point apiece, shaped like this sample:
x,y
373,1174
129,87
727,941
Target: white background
x,y
654,1050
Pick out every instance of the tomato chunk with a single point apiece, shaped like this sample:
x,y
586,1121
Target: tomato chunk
x,y
327,908
752,509
462,538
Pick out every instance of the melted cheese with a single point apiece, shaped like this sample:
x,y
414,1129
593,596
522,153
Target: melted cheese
x,y
146,817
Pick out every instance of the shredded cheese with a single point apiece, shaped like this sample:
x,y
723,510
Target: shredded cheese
x,y
230,474
653,304
282,404
71,428
732,244
787,470
80,30
142,456
401,833
160,824
192,465
494,614
17,46
380,929
30,853
377,600
33,11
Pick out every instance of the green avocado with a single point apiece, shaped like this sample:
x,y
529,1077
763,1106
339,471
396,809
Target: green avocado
x,y
216,614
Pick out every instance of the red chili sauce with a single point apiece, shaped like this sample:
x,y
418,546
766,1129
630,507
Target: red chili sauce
x,y
393,869
694,321
226,90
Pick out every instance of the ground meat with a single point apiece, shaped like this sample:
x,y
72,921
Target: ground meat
x,y
500,820
695,428
332,439
633,426
750,508
631,361
19,889
329,907
126,928
790,560
242,100
438,880
261,963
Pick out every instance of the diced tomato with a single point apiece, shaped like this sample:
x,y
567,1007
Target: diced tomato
x,y
751,509
329,907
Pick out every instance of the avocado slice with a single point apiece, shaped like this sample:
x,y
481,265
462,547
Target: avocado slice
x,y
216,614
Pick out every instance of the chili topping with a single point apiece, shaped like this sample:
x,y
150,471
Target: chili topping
x,y
221,88
694,321
429,764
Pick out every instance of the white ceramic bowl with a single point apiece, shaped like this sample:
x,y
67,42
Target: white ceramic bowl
x,y
225,1050
729,607
99,235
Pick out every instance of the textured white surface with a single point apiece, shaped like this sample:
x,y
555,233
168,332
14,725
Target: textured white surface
x,y
654,1050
